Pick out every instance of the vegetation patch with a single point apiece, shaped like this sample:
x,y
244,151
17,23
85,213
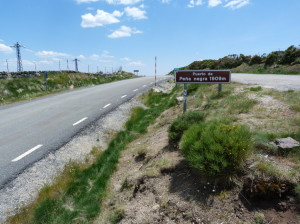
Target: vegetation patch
x,y
21,89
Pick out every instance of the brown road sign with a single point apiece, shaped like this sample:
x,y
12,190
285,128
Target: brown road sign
x,y
203,76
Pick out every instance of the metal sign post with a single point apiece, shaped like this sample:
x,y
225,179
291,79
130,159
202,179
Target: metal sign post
x,y
201,77
184,97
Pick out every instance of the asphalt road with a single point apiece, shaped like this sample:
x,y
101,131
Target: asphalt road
x,y
280,82
30,130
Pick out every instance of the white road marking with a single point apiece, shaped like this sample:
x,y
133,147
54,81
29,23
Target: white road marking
x,y
144,85
123,96
27,153
151,82
78,122
135,90
106,106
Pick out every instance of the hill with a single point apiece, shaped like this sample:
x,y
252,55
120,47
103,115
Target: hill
x,y
276,62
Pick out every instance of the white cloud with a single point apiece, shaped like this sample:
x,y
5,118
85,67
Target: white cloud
x,y
125,59
214,3
135,13
86,1
5,49
105,54
124,31
95,57
123,2
236,4
101,18
81,56
194,3
165,1
90,8
136,63
1,40
51,54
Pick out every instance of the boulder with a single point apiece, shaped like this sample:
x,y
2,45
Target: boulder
x,y
286,143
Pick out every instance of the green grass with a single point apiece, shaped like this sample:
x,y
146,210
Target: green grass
x,y
79,201
21,89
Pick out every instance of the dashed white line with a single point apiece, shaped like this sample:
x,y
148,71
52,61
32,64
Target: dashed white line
x,y
106,106
144,85
78,122
151,82
123,96
27,153
135,90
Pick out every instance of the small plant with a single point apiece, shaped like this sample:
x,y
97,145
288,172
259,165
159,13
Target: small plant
x,y
117,216
182,123
259,218
217,149
256,89
297,192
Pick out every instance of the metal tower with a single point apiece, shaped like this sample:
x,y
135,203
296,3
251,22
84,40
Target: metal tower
x,y
19,60
76,64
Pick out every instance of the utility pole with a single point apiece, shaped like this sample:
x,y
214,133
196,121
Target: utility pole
x,y
76,64
88,68
68,65
7,65
19,60
34,66
155,70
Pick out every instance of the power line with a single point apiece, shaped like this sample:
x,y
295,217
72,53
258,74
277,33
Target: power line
x,y
19,59
76,64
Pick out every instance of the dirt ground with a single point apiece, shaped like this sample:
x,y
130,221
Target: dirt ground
x,y
153,184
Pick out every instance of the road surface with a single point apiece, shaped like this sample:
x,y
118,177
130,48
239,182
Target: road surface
x,y
30,130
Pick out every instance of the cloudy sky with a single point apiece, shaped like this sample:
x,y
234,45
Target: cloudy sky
x,y
107,34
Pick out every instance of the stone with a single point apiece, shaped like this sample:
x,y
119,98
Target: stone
x,y
179,99
157,90
286,143
282,206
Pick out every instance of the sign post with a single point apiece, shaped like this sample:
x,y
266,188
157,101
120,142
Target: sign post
x,y
201,77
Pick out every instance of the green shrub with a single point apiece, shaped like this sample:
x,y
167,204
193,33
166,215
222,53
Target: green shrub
x,y
182,123
216,149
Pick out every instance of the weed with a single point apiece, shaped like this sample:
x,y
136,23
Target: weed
x,y
240,104
297,191
117,216
259,218
256,89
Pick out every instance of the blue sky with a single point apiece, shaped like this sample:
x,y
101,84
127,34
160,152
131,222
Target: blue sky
x,y
111,33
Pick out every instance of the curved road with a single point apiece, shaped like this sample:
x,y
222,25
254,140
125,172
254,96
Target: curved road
x,y
30,130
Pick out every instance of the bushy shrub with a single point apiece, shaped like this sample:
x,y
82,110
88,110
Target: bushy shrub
x,y
217,148
182,123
